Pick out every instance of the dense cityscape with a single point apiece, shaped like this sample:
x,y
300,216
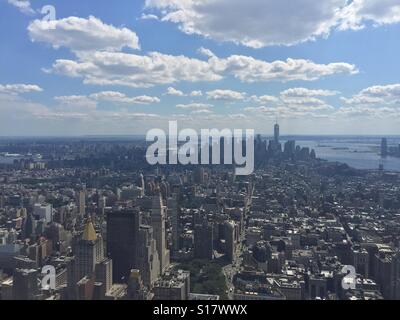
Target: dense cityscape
x,y
199,158
111,227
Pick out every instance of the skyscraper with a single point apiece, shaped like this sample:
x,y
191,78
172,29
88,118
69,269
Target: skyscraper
x,y
122,242
25,284
89,250
142,184
29,227
276,133
174,213
203,240
158,219
148,260
104,274
229,230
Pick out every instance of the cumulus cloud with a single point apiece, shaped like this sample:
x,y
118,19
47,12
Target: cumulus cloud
x,y
262,22
249,69
305,104
90,102
202,111
196,93
368,112
68,117
376,102
293,102
227,95
360,12
23,5
258,109
378,96
80,34
199,106
117,68
141,71
270,22
303,92
149,17
15,89
76,102
174,92
264,99
118,97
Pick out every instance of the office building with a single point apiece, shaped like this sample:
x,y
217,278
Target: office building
x,y
122,242
158,220
89,250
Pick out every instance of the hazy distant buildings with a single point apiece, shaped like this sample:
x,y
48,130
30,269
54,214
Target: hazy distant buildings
x,y
384,148
290,148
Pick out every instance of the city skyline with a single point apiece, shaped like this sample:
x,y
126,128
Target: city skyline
x,y
125,69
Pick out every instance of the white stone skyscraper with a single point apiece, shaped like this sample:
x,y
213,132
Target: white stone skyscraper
x,y
158,220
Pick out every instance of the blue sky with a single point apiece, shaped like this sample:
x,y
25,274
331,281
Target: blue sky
x,y
127,67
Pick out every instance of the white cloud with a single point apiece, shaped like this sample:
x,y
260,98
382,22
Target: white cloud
x,y
118,97
196,93
228,95
174,92
271,22
200,106
258,109
80,103
79,34
149,17
238,116
378,96
305,104
23,5
294,102
76,102
264,99
303,92
117,68
202,111
142,71
380,12
19,88
178,93
248,69
369,112
16,106
262,22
